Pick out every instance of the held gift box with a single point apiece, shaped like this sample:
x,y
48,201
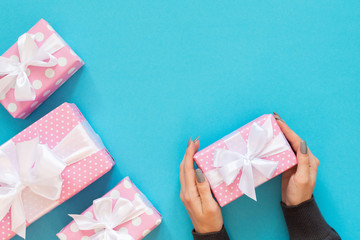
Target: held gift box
x,y
123,213
34,68
246,158
45,165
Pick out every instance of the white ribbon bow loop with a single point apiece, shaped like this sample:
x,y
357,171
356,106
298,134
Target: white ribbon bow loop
x,y
30,55
27,164
33,169
248,158
107,217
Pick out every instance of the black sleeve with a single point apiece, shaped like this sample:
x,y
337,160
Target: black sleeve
x,y
221,235
305,221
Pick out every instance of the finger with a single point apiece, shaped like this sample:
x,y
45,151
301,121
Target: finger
x,y
189,171
290,135
303,168
182,178
203,187
288,173
192,148
314,164
286,177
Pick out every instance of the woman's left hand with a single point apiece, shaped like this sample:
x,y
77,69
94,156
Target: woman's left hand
x,y
196,195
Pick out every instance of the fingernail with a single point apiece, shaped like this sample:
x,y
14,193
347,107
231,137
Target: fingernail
x,y
196,139
199,175
277,117
303,147
189,142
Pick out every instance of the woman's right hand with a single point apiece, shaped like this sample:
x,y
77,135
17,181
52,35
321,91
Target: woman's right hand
x,y
204,211
298,183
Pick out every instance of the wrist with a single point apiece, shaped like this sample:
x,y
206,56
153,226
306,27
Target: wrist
x,y
221,234
295,202
208,229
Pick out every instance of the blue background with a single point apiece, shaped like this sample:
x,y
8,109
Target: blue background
x,y
158,72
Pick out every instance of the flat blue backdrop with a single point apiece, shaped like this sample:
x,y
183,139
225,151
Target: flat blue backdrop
x,y
158,72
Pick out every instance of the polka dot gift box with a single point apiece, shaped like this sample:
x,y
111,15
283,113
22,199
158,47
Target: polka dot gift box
x,y
244,159
33,68
45,165
122,213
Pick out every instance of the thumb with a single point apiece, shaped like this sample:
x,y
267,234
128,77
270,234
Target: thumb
x,y
203,187
303,169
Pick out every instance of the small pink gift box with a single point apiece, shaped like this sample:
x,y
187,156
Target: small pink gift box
x,y
135,227
34,68
246,158
46,164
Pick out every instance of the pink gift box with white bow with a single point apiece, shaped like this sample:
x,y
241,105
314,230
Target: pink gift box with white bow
x,y
45,165
123,213
246,158
34,68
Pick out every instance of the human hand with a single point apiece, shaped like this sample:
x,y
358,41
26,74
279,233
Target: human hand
x,y
298,183
196,196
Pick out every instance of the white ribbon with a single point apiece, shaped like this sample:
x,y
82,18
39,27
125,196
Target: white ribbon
x,y
30,55
247,158
107,217
31,165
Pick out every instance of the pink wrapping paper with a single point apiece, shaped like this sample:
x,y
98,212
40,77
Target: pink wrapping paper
x,y
137,228
51,129
45,80
226,194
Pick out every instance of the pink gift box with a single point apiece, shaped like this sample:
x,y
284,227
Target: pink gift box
x,y
138,228
225,194
52,129
44,80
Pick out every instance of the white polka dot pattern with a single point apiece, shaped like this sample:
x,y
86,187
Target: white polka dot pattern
x,y
137,228
62,61
47,92
49,73
71,70
74,227
45,81
146,232
34,104
136,221
226,194
137,196
50,28
15,58
149,211
59,81
39,36
37,84
12,107
115,194
127,184
22,115
62,236
51,129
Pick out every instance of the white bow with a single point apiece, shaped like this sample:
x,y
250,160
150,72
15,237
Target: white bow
x,y
31,165
27,164
107,217
247,158
30,55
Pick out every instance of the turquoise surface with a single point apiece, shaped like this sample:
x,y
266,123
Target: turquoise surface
x,y
158,72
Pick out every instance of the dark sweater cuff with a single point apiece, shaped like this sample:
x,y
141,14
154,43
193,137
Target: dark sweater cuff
x,y
305,221
221,235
